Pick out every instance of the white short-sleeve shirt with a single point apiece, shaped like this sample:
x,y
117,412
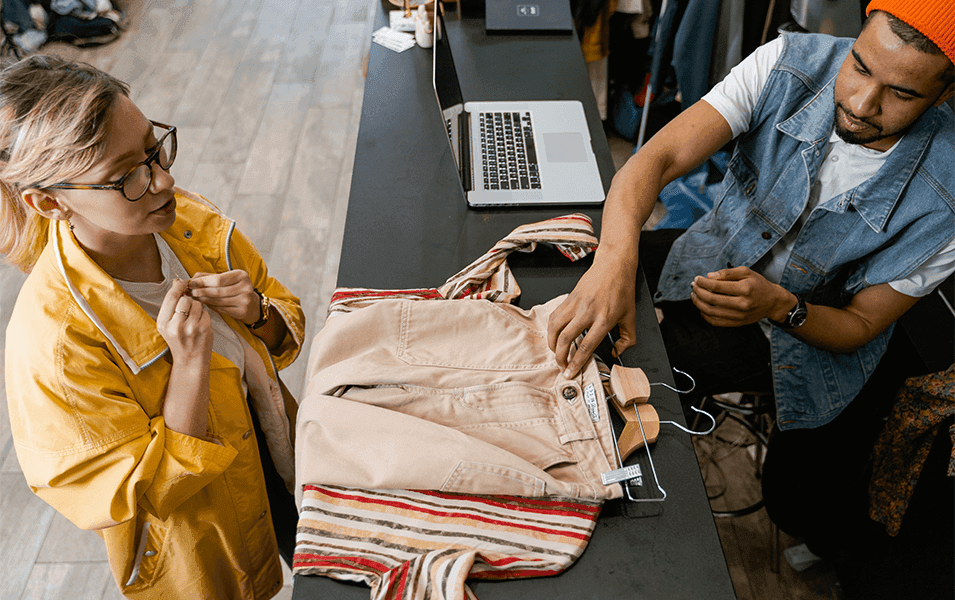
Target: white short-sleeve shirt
x,y
844,167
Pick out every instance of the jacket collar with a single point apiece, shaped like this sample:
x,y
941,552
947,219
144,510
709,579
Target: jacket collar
x,y
130,330
128,327
876,198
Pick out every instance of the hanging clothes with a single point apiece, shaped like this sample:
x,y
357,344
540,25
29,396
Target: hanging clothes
x,y
904,444
693,47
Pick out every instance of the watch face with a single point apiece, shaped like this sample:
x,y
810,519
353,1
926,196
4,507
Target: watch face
x,y
798,317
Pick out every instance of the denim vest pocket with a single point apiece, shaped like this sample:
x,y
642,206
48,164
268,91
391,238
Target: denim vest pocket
x,y
482,478
744,172
494,338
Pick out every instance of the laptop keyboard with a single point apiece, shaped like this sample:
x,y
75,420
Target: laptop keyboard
x,y
509,154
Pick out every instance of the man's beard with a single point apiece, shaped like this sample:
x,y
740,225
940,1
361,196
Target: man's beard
x,y
867,136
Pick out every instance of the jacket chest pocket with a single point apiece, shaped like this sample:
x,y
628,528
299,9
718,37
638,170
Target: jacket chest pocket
x,y
470,334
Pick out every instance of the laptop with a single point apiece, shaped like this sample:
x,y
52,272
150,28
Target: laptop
x,y
528,16
515,153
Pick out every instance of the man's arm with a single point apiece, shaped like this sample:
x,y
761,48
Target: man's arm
x,y
604,296
739,296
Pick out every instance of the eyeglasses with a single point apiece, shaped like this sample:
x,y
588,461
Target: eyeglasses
x,y
137,180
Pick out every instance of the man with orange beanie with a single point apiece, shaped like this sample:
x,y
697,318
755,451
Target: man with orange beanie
x,y
837,213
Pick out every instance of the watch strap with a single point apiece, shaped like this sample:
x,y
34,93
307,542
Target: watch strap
x,y
795,317
264,310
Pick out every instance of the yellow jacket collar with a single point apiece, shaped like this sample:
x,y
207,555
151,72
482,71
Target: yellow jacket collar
x,y
118,317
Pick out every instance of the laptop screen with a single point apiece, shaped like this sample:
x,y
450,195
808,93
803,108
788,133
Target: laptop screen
x,y
446,84
447,88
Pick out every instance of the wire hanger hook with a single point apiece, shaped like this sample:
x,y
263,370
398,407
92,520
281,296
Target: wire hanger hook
x,y
690,431
670,387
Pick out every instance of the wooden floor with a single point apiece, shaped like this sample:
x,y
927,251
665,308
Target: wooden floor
x,y
267,96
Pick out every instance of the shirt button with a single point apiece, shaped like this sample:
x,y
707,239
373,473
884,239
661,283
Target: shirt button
x,y
187,234
817,153
264,512
835,159
246,435
569,393
150,553
767,235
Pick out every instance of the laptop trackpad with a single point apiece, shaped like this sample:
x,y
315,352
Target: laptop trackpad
x,y
564,147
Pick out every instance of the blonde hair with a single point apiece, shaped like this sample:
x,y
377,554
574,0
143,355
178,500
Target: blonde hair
x,y
54,117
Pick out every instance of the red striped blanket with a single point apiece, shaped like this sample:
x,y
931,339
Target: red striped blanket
x,y
416,544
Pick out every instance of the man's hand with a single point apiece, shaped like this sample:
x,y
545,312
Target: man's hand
x,y
739,296
603,298
228,293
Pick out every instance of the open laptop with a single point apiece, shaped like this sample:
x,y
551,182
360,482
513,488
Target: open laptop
x,y
528,16
515,153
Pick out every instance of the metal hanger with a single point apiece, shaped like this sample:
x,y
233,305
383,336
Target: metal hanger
x,y
629,475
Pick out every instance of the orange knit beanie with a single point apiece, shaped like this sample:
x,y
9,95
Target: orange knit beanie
x,y
934,18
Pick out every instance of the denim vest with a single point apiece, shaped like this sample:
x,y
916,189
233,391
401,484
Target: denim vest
x,y
875,233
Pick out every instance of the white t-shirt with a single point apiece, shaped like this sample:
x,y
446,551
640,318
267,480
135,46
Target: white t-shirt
x,y
149,296
845,166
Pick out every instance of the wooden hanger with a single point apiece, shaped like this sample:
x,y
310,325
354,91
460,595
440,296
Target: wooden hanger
x,y
629,385
631,391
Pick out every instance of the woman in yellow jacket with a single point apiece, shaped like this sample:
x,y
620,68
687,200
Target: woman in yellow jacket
x,y
143,350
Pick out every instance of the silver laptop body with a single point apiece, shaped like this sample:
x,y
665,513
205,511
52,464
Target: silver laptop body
x,y
515,153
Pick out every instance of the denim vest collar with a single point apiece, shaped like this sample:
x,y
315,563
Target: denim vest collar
x,y
812,124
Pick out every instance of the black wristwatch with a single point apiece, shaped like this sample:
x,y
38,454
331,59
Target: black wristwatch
x,y
796,317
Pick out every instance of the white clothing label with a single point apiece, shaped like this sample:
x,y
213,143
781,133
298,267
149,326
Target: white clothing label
x,y
590,397
617,475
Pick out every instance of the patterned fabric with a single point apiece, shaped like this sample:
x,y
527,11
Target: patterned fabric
x,y
418,544
905,442
489,277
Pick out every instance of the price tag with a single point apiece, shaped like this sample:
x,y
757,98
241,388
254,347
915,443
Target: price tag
x,y
590,398
617,475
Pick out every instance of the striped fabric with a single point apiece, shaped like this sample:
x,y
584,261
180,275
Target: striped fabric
x,y
420,544
489,277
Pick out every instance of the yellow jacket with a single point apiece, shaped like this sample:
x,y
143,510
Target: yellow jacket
x,y
86,374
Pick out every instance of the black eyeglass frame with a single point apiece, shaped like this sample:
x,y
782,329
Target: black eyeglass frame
x,y
118,185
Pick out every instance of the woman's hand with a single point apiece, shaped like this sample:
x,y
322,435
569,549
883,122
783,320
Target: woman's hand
x,y
230,293
187,328
185,325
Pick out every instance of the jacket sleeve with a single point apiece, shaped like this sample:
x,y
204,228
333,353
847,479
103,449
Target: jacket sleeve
x,y
245,256
88,448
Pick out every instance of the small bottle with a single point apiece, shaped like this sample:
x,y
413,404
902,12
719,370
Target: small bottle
x,y
423,29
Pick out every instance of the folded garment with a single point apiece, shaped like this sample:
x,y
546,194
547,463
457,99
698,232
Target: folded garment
x,y
402,542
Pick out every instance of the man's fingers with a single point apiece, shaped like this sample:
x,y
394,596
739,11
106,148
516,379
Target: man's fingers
x,y
628,336
558,320
565,339
732,274
584,349
725,287
713,311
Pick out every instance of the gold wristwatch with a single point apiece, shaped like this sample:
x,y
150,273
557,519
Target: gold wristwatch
x,y
265,306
